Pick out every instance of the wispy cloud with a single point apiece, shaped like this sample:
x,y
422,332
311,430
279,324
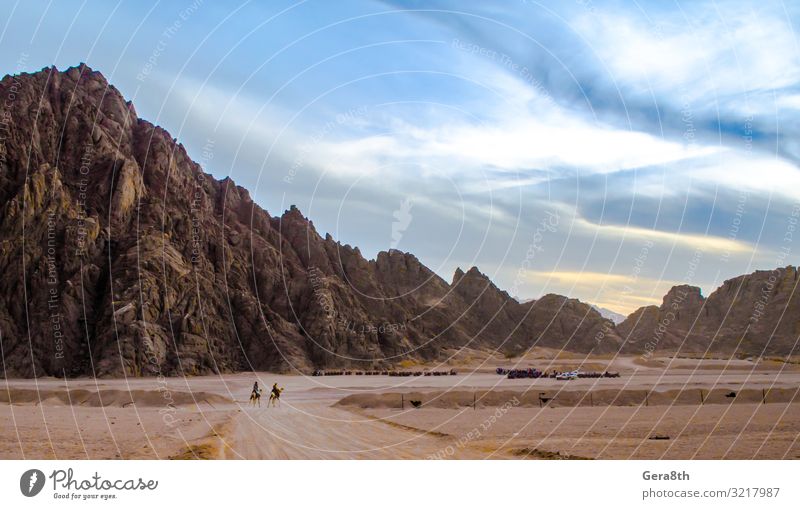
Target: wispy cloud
x,y
686,240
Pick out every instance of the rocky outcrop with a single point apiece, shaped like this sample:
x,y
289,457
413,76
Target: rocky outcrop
x,y
751,315
664,327
552,321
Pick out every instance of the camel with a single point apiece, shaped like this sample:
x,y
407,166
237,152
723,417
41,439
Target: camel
x,y
275,397
255,397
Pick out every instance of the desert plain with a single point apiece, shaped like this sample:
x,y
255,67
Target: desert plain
x,y
660,407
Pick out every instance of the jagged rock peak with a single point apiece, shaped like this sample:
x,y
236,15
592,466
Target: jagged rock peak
x,y
473,274
82,70
395,257
683,293
293,213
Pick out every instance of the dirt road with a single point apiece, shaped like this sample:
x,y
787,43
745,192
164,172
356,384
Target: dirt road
x,y
319,431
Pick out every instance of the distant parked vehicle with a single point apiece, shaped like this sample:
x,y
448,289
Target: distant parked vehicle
x,y
569,375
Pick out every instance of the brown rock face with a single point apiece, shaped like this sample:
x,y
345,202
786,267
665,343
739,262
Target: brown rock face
x,y
664,327
121,257
755,314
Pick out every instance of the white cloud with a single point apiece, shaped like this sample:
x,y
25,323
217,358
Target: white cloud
x,y
739,170
788,101
515,128
761,174
513,142
702,54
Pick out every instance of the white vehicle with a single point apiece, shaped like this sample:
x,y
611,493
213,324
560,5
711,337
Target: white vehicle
x,y
569,375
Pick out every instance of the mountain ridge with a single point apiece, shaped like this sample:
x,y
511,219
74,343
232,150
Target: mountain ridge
x,y
133,261
749,315
122,257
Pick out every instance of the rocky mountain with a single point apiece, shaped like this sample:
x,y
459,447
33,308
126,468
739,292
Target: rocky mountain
x,y
120,256
750,315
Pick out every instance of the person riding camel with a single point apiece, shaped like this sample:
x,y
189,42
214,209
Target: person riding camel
x,y
255,395
275,395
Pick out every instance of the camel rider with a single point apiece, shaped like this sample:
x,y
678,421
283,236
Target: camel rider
x,y
275,390
255,388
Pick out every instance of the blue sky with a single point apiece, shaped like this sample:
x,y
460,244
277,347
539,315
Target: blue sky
x,y
601,150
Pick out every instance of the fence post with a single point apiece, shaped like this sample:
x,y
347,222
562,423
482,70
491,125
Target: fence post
x,y
701,396
402,402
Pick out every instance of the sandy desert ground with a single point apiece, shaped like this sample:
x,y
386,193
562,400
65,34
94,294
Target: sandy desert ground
x,y
652,411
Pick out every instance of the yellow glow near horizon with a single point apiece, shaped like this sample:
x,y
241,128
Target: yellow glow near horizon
x,y
705,243
619,293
